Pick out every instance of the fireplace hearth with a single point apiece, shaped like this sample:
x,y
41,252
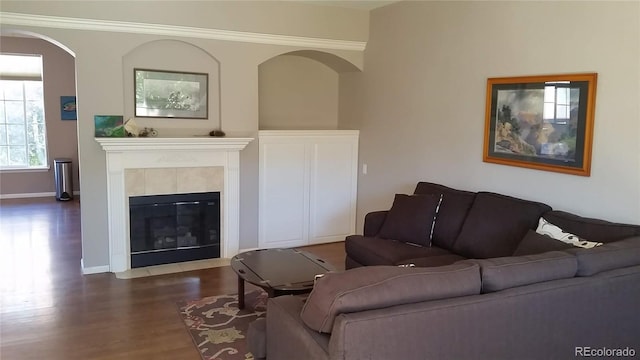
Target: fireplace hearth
x,y
174,228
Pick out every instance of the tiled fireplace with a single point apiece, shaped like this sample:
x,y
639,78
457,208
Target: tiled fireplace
x,y
163,166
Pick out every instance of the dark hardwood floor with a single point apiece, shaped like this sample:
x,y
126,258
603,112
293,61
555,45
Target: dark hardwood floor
x,y
49,310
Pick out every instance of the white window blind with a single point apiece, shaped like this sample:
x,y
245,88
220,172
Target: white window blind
x,y
20,67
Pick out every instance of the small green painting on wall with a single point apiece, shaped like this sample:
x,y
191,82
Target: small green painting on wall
x,y
109,126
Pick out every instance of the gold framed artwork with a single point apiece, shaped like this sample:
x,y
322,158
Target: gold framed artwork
x,y
541,122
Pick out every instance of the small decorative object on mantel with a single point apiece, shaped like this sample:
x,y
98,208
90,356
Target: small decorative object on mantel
x,y
148,132
217,133
131,128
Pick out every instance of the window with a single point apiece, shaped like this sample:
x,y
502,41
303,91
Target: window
x,y
557,105
23,142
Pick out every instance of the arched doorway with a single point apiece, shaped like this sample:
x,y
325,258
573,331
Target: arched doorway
x,y
43,229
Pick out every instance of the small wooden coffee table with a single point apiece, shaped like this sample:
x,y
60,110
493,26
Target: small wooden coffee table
x,y
278,271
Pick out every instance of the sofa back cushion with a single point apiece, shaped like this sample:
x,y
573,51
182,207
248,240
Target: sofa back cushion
x,y
534,243
609,256
375,287
453,210
592,229
411,219
495,225
507,272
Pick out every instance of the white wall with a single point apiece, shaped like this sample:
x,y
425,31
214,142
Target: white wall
x,y
422,96
101,84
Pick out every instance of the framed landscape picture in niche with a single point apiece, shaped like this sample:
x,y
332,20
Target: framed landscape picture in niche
x,y
541,122
170,94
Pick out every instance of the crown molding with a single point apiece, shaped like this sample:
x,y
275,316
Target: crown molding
x,y
8,18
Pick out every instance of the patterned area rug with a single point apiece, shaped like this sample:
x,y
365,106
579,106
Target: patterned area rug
x,y
218,327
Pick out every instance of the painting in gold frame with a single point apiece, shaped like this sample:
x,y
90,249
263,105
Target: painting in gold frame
x,y
541,122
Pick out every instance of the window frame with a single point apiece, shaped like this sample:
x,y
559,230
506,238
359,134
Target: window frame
x,y
7,75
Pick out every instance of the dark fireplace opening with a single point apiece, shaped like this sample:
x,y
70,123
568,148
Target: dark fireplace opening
x,y
174,228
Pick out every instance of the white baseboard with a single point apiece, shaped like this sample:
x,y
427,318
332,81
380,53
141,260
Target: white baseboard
x,y
93,269
31,195
249,249
27,195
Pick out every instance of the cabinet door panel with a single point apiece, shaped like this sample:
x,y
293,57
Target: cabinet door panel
x,y
332,190
283,195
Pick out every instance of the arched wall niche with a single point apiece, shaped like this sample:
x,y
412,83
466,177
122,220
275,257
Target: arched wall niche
x,y
335,62
170,55
299,90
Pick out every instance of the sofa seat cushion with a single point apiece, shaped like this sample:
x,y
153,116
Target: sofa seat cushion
x,y
496,224
434,260
377,251
454,207
609,256
411,219
534,243
592,229
377,287
507,272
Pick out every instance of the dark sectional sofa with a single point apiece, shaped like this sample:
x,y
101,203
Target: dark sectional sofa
x,y
468,225
484,285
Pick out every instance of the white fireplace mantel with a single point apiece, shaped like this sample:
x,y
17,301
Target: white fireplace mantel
x,y
147,153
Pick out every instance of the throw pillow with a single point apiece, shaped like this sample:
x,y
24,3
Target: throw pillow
x,y
547,228
411,219
534,243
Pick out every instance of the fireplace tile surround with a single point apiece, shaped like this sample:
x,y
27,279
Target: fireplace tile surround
x,y
155,166
161,181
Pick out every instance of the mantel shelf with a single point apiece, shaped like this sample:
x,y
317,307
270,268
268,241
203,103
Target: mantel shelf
x,y
114,144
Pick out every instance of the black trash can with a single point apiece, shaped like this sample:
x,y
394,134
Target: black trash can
x,y
64,179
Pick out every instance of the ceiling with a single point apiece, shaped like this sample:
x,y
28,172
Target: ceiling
x,y
354,4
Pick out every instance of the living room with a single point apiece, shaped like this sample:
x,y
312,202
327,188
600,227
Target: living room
x,y
408,61
418,101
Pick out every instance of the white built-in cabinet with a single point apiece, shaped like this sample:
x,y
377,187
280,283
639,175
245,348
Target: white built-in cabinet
x,y
308,186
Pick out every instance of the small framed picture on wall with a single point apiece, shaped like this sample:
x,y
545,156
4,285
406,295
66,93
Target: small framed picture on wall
x,y
68,108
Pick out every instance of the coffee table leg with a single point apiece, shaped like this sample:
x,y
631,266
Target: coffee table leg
x,y
240,293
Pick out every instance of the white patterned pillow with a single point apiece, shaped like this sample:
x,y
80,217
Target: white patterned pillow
x,y
547,228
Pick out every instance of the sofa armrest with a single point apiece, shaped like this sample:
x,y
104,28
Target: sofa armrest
x,y
287,336
373,222
378,287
